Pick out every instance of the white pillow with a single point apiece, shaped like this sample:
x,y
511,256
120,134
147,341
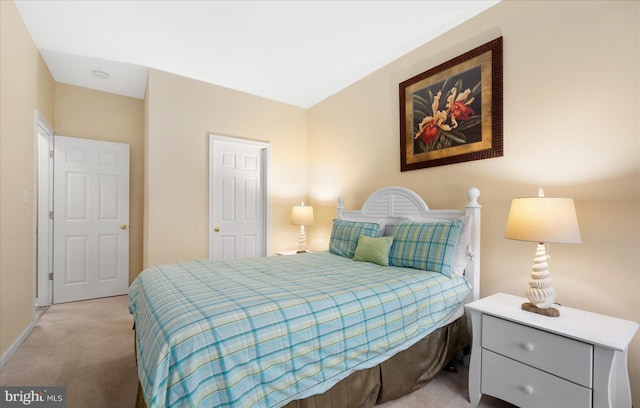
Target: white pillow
x,y
460,257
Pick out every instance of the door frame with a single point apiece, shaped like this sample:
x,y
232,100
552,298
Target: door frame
x,y
43,204
265,150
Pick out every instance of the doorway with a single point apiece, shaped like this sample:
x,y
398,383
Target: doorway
x,y
83,195
238,198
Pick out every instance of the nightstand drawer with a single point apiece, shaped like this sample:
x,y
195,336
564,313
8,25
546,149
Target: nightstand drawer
x,y
558,355
525,386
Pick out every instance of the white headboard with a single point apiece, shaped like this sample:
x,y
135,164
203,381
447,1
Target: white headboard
x,y
390,205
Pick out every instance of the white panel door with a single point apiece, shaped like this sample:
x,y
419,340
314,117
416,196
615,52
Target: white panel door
x,y
237,200
91,219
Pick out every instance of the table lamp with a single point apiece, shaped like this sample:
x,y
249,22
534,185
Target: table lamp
x,y
543,220
302,215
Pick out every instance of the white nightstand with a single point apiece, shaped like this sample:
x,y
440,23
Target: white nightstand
x,y
290,252
578,359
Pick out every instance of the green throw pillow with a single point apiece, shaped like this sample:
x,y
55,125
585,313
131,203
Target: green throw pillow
x,y
374,250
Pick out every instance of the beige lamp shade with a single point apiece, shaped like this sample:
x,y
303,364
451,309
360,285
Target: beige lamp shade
x,y
302,215
543,219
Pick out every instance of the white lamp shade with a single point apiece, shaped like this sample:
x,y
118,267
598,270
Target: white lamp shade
x,y
302,215
543,219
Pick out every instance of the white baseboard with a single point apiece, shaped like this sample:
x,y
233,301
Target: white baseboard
x,y
16,344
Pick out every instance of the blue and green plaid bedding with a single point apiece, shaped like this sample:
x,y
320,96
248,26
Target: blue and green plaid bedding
x,y
262,332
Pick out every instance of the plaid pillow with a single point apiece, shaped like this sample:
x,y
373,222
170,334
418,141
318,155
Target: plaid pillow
x,y
427,246
345,234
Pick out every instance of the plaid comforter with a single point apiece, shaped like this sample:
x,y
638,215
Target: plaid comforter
x,y
261,332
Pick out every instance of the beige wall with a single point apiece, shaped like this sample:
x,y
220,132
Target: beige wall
x,y
571,125
180,115
26,86
90,114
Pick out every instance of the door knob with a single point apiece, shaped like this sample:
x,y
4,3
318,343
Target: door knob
x,y
123,226
217,229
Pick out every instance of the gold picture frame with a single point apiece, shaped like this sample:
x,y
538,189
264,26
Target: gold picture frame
x,y
452,113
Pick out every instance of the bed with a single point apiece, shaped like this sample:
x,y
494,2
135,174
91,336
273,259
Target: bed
x,y
371,319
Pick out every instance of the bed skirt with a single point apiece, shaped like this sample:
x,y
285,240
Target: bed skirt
x,y
402,374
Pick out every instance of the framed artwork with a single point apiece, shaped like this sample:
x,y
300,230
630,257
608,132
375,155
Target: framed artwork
x,y
452,113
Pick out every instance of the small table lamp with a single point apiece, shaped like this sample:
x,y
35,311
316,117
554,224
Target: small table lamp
x,y
302,215
542,219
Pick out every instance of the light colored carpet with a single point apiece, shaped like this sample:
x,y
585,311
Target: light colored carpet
x,y
88,347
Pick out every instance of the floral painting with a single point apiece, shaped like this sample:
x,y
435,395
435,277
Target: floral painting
x,y
453,112
448,111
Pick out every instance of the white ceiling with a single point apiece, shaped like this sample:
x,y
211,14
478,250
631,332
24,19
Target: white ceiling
x,y
296,52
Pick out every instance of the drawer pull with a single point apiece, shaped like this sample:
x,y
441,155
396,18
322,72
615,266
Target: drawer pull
x,y
528,389
528,346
